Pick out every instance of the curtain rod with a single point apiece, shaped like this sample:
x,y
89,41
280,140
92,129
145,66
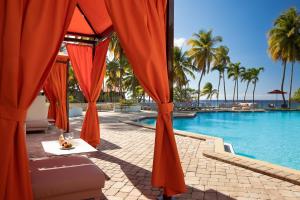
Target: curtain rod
x,y
92,42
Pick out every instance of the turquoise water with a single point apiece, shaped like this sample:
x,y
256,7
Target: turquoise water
x,y
268,136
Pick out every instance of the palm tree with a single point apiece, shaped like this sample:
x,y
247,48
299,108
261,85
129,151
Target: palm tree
x,y
116,49
115,46
254,74
201,52
234,71
246,76
114,73
221,59
131,84
209,91
182,68
284,42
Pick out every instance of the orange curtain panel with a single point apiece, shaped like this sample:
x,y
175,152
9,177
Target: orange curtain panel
x,y
89,71
49,93
56,86
31,33
140,25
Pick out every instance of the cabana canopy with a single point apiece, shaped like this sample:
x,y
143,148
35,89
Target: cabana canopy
x,y
90,18
31,34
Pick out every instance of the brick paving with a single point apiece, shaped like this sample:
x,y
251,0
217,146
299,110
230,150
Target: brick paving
x,y
126,152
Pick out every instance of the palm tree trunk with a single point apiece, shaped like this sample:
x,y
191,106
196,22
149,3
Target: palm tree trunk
x,y
185,92
180,92
120,86
116,92
291,85
219,88
199,83
237,89
144,97
253,91
246,90
224,87
121,74
282,82
234,91
133,89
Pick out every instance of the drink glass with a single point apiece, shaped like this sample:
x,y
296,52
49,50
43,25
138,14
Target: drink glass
x,y
69,136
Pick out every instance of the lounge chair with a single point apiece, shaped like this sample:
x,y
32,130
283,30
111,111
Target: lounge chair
x,y
37,115
67,178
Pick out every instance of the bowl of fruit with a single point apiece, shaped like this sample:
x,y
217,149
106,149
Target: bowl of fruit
x,y
65,144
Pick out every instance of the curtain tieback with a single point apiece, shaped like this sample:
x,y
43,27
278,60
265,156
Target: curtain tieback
x,y
92,104
165,108
12,113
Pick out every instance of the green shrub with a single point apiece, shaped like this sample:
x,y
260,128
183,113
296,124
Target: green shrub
x,y
296,96
128,102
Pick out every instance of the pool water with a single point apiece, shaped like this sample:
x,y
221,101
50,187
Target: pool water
x,y
270,136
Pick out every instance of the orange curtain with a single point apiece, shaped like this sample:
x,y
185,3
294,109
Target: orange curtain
x,y
89,72
49,93
31,33
56,86
140,25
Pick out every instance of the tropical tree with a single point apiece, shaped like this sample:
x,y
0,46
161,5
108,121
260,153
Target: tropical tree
x,y
246,76
182,68
115,71
185,94
131,84
254,74
234,71
209,91
284,43
118,55
296,96
115,46
75,95
201,52
221,59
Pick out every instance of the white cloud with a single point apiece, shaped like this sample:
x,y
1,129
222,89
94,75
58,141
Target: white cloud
x,y
179,42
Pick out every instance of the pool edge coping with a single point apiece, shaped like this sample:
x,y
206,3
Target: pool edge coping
x,y
262,167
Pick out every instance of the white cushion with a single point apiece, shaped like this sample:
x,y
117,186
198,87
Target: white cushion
x,y
38,110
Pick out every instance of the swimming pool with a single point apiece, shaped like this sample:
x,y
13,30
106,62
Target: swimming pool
x,y
269,136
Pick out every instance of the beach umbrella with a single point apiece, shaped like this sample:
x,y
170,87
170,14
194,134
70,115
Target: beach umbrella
x,y
276,92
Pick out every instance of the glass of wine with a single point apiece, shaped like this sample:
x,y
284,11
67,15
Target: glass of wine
x,y
69,136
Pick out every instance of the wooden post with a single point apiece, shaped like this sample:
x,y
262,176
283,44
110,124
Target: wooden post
x,y
170,44
67,95
170,53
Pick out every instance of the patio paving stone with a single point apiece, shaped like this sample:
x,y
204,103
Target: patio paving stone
x,y
125,156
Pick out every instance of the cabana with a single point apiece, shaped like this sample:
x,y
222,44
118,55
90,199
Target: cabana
x,y
31,34
56,91
276,92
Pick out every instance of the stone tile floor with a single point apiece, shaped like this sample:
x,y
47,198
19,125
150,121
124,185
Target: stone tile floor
x,y
126,153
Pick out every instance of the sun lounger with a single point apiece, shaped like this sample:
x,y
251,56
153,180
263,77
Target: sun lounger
x,y
36,119
235,108
67,177
245,108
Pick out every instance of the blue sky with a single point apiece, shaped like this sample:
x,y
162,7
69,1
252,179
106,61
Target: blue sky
x,y
243,26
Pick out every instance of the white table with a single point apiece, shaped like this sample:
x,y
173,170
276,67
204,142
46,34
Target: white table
x,y
53,147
